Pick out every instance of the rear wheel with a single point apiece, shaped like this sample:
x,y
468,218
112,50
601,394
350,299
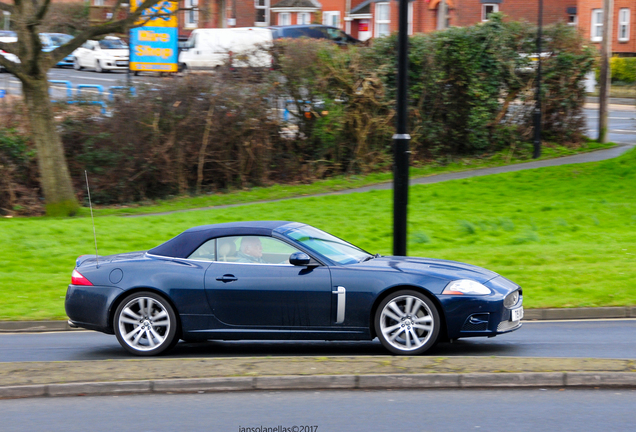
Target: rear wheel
x,y
145,324
407,323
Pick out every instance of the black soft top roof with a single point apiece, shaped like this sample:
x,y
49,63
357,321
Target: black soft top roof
x,y
188,241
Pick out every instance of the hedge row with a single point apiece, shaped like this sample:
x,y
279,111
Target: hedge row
x,y
323,111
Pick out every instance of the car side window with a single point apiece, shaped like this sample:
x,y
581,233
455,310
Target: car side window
x,y
253,249
335,34
205,252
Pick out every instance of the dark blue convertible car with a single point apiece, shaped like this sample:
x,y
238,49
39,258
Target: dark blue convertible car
x,y
284,280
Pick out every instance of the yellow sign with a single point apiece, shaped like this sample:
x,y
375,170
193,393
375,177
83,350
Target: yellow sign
x,y
164,10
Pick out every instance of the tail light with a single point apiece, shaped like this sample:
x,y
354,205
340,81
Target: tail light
x,y
78,279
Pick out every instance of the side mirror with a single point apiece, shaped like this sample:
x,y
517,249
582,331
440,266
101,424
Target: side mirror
x,y
299,259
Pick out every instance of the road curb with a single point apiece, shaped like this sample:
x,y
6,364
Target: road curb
x,y
529,315
602,380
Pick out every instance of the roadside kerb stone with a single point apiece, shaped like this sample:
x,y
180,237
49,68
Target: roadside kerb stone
x,y
99,388
306,382
25,391
419,381
553,379
586,379
204,384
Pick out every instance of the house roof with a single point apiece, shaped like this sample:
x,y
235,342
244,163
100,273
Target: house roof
x,y
294,4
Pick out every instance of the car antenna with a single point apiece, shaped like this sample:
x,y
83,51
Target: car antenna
x,y
90,204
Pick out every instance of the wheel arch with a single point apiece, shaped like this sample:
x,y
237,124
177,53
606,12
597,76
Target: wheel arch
x,y
115,304
443,331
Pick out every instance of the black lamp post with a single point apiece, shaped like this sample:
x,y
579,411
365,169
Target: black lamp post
x,y
537,110
401,139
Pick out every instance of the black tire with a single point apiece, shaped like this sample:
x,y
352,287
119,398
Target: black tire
x,y
407,323
98,67
76,64
145,324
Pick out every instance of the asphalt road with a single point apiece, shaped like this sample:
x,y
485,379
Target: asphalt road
x,y
326,411
581,339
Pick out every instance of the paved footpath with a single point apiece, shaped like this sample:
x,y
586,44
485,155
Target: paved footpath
x,y
157,375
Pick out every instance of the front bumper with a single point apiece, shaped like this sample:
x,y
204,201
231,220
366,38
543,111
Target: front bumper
x,y
474,316
89,307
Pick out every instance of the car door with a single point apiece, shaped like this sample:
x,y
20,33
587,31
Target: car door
x,y
266,291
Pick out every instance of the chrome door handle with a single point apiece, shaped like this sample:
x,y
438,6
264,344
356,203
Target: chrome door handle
x,y
227,278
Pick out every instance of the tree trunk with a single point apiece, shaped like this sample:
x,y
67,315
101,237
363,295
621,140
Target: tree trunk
x,y
54,175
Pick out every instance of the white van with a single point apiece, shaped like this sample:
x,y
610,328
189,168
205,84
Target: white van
x,y
210,48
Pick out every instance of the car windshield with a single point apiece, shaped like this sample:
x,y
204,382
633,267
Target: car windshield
x,y
112,44
327,245
59,39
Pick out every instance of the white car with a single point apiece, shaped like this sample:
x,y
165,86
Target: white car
x,y
105,55
8,37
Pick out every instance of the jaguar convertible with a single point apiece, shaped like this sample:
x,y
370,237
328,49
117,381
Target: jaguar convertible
x,y
284,280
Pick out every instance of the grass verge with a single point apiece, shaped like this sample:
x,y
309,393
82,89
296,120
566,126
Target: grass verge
x,y
281,191
566,234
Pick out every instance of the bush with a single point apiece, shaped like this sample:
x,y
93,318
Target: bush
x,y
324,111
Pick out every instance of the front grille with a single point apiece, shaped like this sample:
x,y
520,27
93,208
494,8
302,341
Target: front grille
x,y
468,326
476,322
508,325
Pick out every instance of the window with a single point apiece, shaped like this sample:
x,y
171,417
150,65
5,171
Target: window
x,y
303,18
7,19
205,252
487,9
572,19
284,18
382,19
597,25
331,18
262,12
99,3
250,250
410,20
192,13
623,24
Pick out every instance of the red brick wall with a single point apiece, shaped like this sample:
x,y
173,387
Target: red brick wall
x,y
468,12
584,13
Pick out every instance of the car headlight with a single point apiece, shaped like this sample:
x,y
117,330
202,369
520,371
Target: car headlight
x,y
466,286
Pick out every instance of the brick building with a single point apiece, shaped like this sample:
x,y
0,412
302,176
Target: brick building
x,y
590,23
366,19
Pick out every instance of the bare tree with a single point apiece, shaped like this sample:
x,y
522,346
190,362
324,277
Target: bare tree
x,y
28,16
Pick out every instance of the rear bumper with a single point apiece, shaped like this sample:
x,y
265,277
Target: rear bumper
x,y
89,307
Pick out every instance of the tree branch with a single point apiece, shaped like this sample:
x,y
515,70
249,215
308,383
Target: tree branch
x,y
7,7
39,15
106,28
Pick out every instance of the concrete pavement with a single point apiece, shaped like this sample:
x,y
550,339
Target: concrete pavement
x,y
197,375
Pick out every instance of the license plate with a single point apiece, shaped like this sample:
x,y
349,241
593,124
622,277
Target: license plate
x,y
516,314
122,63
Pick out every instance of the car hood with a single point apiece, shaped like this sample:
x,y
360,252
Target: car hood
x,y
443,269
114,53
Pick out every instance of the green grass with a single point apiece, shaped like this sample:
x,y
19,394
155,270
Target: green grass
x,y
507,157
566,234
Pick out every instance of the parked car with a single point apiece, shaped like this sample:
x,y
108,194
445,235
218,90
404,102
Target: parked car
x,y
110,53
7,36
238,47
284,280
50,41
314,31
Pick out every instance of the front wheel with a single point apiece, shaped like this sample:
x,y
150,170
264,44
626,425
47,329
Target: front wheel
x,y
407,323
145,324
76,64
98,67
